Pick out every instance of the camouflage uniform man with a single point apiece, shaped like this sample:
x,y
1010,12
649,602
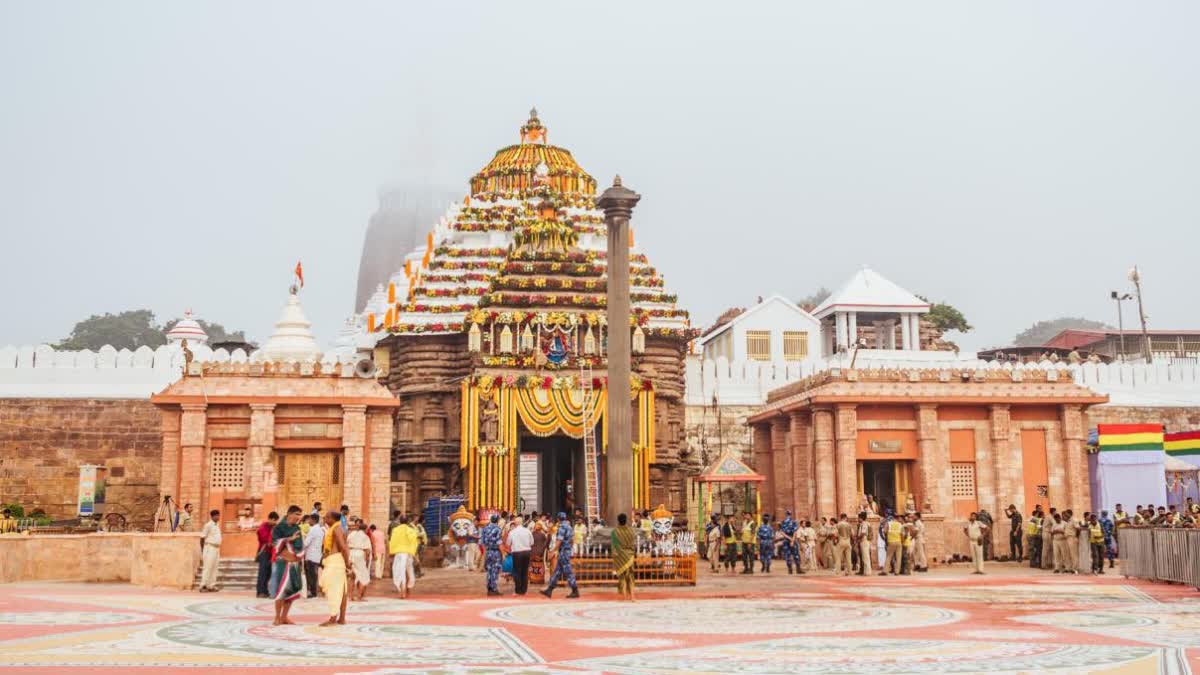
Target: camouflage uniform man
x,y
489,537
791,547
766,543
562,567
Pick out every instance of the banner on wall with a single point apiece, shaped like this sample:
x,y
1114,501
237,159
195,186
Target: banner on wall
x,y
91,488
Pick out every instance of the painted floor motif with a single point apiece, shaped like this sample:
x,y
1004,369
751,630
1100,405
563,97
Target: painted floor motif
x,y
817,624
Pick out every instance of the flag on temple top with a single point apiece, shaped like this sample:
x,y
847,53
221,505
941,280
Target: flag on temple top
x,y
300,273
1122,437
1182,443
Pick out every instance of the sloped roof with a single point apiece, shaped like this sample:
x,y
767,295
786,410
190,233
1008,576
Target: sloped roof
x,y
743,314
869,290
729,469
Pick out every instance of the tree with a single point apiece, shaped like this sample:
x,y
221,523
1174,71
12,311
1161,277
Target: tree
x,y
132,329
814,299
946,317
128,330
1041,332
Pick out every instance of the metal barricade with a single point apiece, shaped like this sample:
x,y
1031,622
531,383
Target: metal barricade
x,y
1160,554
1136,547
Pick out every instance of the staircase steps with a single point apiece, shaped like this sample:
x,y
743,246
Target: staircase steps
x,y
234,574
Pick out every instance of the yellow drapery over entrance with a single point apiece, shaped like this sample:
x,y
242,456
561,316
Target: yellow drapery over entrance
x,y
491,481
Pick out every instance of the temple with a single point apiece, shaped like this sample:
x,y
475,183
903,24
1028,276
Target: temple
x,y
495,345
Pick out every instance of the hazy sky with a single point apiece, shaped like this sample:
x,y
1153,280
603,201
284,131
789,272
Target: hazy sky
x,y
1011,158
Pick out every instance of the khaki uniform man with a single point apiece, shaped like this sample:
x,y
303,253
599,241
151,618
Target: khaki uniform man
x,y
1071,540
841,555
920,563
864,543
1048,540
976,531
211,556
895,533
1058,535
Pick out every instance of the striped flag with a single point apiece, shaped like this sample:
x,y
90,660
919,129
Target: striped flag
x,y
1182,443
1124,437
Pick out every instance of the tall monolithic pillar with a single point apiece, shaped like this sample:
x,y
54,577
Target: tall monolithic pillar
x,y
761,456
192,460
1010,481
781,467
354,440
800,449
933,464
824,459
1078,492
617,202
259,447
847,464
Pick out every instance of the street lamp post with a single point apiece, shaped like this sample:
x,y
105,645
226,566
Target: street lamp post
x,y
1136,277
617,202
1120,320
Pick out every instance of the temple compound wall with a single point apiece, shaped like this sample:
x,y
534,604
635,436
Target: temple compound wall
x,y
43,442
943,442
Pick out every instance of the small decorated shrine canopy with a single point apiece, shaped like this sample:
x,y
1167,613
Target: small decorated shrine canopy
x,y
729,469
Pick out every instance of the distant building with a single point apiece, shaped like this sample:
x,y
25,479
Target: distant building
x,y
1165,345
397,227
188,329
776,329
874,312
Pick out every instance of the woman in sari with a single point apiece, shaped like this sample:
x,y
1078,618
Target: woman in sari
x,y
537,553
286,583
624,550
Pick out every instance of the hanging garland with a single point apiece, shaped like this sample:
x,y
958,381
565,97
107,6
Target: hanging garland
x,y
442,264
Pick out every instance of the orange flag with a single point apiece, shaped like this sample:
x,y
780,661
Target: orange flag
x,y
300,273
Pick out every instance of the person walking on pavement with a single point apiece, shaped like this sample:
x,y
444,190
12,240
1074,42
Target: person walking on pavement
x,y
312,553
520,543
210,542
562,564
489,538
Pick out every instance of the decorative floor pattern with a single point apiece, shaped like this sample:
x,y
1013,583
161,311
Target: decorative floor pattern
x,y
818,624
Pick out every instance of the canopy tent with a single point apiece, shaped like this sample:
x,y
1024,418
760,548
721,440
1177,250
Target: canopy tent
x,y
1182,467
1126,466
728,469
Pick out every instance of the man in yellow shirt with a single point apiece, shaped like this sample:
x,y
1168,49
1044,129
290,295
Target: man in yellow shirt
x,y
748,531
893,531
402,546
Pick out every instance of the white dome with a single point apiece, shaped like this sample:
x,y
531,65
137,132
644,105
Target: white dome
x,y
188,329
292,339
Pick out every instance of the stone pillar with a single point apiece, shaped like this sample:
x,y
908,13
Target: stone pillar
x,y
847,463
259,447
891,335
1010,483
824,460
905,332
761,456
1078,491
851,329
354,441
168,483
842,331
617,202
800,450
780,498
915,331
933,464
193,464
379,477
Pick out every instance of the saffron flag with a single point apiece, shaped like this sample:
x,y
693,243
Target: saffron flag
x,y
300,273
1125,437
1182,443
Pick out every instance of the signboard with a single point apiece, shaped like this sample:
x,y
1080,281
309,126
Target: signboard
x,y
527,482
91,488
885,447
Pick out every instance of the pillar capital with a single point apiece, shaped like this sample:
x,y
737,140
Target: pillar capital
x,y
262,407
193,407
354,408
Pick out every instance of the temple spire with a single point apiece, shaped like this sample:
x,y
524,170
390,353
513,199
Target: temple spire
x,y
533,131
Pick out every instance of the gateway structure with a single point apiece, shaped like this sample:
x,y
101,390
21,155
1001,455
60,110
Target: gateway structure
x,y
498,347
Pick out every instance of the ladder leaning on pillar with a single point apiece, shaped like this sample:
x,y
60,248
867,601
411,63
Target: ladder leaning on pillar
x,y
591,458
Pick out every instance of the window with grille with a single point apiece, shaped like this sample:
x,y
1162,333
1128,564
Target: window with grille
x,y
795,345
228,469
758,345
962,480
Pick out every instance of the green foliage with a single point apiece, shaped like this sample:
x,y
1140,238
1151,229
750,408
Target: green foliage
x,y
132,329
1040,333
946,317
814,299
15,510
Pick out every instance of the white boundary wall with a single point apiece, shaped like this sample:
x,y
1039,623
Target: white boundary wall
x,y
748,382
43,372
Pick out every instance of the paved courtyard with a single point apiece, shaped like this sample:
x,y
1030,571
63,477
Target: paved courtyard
x,y
1010,621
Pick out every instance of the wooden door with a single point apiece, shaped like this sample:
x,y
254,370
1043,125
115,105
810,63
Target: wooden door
x,y
309,477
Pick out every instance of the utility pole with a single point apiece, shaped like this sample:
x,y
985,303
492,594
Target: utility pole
x,y
1120,320
1136,277
617,202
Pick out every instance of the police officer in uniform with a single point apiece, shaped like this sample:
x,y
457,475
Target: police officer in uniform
x,y
791,547
562,566
766,544
489,537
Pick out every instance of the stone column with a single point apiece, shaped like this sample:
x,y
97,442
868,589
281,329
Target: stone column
x,y
193,465
379,454
933,464
760,457
259,446
354,440
617,202
824,460
1010,484
800,450
915,331
905,332
851,329
847,463
1077,490
842,331
780,498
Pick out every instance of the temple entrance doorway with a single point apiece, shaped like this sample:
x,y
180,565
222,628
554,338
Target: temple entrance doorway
x,y
557,480
307,476
877,478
